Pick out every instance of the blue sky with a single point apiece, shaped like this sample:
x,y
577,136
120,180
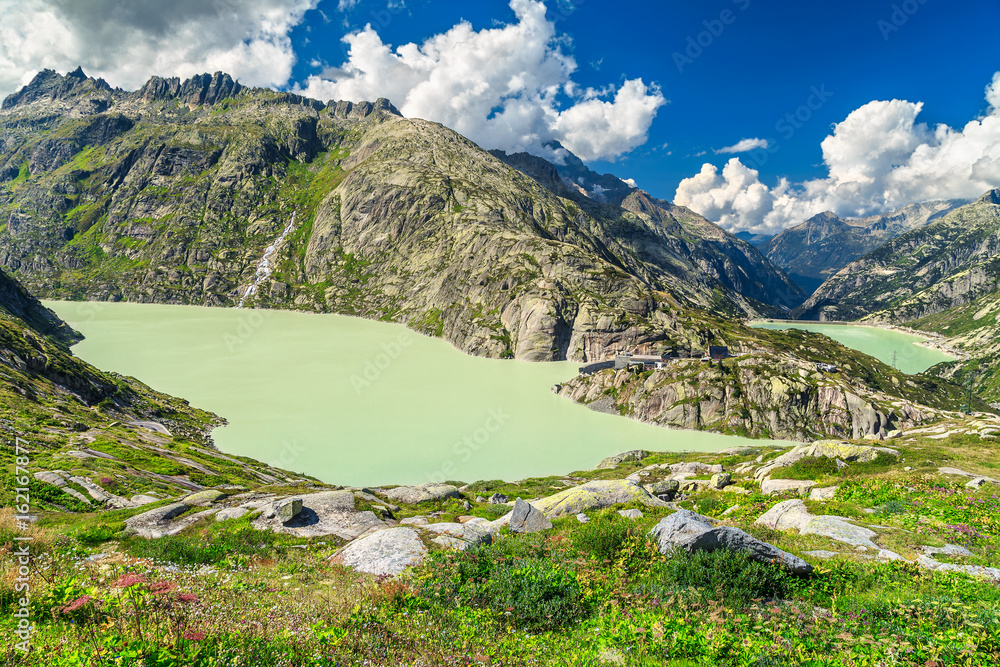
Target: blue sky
x,y
761,66
631,91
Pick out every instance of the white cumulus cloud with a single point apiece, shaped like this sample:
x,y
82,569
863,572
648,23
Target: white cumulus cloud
x,y
504,87
744,145
127,42
878,158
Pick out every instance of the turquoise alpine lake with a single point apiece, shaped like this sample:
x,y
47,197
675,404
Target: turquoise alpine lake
x,y
356,402
877,342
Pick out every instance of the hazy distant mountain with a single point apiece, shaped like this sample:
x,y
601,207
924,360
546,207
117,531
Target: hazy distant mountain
x,y
756,240
947,263
813,251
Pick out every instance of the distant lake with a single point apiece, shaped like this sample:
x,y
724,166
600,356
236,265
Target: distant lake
x,y
911,358
356,402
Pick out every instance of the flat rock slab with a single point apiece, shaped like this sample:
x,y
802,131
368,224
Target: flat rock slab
x,y
412,495
525,518
595,495
163,521
230,513
823,493
773,487
991,573
948,550
153,524
325,513
459,536
793,515
206,497
688,530
631,514
384,552
822,553
55,479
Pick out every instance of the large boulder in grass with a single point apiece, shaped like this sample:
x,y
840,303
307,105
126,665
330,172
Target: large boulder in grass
x,y
412,495
635,455
595,495
692,532
525,518
385,552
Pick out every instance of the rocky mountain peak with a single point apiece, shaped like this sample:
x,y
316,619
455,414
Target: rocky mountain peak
x,y
49,84
991,197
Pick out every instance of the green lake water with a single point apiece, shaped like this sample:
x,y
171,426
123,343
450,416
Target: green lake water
x,y
351,401
879,343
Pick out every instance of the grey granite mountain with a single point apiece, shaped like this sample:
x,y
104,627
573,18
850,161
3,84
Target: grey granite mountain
x,y
680,232
171,194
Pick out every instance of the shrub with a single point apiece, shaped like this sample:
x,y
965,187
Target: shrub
x,y
732,577
100,533
811,467
206,549
605,535
530,593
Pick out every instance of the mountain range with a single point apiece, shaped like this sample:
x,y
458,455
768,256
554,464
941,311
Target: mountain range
x,y
811,252
206,192
172,193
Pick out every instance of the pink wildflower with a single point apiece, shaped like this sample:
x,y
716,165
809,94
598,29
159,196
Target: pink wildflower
x,y
161,587
76,604
194,635
127,580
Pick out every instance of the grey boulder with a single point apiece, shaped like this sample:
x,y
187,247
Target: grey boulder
x,y
793,515
692,532
526,519
412,495
384,552
615,461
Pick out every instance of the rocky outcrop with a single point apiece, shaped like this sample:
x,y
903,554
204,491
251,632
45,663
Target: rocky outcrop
x,y
319,514
831,449
611,462
793,515
595,495
754,395
690,531
412,495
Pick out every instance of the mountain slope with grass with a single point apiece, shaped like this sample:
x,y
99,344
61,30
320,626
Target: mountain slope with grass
x,y
173,192
899,545
974,329
93,439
